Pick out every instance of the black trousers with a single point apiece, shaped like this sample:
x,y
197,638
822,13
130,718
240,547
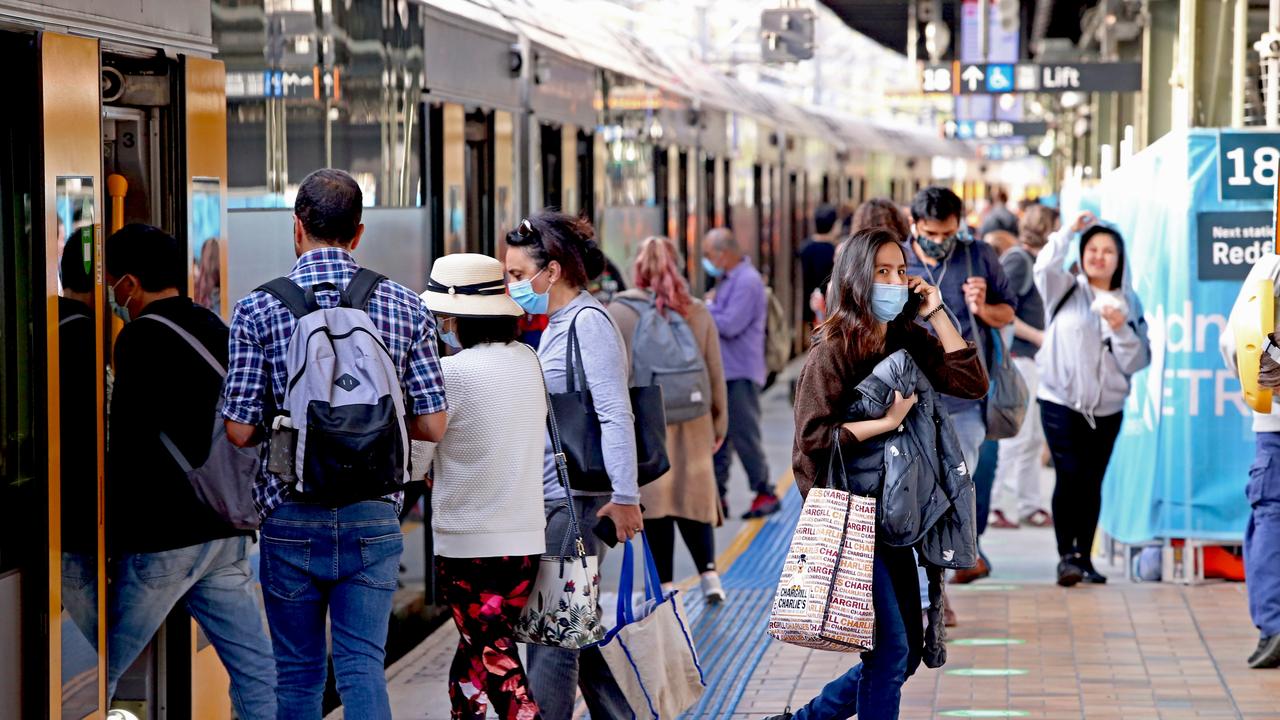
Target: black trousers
x,y
661,534
1080,457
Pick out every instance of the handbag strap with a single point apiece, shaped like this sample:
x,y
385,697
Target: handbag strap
x,y
837,460
577,373
208,357
652,583
562,472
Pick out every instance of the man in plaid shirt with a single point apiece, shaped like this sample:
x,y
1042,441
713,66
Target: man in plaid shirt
x,y
316,559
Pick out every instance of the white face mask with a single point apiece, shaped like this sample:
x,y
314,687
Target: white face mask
x,y
120,311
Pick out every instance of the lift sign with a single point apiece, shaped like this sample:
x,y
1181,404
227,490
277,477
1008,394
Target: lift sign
x,y
1247,165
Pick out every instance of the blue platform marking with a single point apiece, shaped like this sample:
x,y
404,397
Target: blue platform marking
x,y
732,638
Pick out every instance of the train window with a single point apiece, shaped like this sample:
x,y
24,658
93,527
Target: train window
x,y
662,185
78,416
586,173
504,177
479,183
710,193
683,214
726,195
453,157
569,191
206,244
552,174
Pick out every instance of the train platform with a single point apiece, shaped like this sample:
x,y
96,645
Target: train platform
x,y
1024,646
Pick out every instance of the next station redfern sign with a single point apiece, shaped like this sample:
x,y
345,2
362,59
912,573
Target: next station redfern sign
x,y
959,78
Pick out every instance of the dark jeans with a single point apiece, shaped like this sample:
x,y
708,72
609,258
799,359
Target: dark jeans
x,y
1262,536
872,690
984,479
342,563
555,672
1080,457
744,439
662,541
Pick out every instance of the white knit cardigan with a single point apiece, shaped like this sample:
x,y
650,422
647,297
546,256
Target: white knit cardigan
x,y
486,497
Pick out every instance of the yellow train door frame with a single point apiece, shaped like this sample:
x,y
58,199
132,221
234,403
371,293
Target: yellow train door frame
x,y
70,114
205,124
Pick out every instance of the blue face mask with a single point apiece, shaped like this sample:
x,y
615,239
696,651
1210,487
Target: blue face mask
x,y
710,268
534,303
450,339
887,301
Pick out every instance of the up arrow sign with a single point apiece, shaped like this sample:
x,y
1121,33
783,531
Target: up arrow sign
x,y
972,75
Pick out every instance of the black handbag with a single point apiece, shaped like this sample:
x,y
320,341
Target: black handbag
x,y
580,426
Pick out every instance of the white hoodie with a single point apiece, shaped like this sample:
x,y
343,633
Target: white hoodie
x,y
1084,364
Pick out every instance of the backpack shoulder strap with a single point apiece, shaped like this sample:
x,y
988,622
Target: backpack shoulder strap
x,y
1065,297
289,294
190,340
361,287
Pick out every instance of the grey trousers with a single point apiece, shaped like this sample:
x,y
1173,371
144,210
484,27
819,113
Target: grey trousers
x,y
555,673
744,439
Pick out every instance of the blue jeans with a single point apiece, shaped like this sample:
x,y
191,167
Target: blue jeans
x,y
743,438
872,690
212,580
1262,536
337,562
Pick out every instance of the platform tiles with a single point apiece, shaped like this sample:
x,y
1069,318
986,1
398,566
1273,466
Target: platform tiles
x,y
1025,648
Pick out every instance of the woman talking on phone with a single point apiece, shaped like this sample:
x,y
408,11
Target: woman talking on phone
x,y
1096,339
870,319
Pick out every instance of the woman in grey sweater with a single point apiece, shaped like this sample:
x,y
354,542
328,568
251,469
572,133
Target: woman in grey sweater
x,y
550,259
1095,340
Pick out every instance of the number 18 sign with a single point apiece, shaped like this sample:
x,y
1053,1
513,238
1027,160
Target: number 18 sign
x,y
1248,163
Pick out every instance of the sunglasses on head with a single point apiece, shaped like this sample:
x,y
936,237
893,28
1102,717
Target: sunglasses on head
x,y
526,230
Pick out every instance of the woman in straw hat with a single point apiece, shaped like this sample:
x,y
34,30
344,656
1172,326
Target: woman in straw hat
x,y
486,505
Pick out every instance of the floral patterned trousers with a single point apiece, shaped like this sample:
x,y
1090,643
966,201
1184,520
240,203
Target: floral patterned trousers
x,y
487,596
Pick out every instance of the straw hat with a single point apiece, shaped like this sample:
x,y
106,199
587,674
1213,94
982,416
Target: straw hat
x,y
469,285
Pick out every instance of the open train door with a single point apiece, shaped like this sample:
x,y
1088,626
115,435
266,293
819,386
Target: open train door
x,y
74,317
204,120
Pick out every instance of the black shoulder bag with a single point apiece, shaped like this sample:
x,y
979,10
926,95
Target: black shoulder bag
x,y
1006,403
580,425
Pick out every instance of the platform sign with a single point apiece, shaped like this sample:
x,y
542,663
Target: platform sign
x,y
1247,165
1001,78
992,129
1230,242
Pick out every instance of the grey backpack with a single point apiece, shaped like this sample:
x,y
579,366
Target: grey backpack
x,y
224,481
344,397
665,353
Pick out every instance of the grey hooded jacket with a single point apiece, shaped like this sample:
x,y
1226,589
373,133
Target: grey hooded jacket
x,y
1084,364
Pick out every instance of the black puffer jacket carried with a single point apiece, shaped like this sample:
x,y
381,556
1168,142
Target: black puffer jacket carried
x,y
925,494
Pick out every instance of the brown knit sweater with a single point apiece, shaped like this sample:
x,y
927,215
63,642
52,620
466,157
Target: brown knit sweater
x,y
830,378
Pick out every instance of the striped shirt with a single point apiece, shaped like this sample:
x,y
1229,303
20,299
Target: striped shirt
x,y
261,327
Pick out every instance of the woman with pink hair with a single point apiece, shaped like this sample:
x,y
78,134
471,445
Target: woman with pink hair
x,y
659,312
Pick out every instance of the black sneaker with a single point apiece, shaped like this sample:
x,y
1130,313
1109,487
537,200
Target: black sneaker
x,y
1069,573
786,715
1268,653
1092,576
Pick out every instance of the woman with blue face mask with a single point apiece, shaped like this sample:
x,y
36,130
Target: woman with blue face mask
x,y
870,318
550,259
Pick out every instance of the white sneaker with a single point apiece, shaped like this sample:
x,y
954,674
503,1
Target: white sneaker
x,y
712,591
